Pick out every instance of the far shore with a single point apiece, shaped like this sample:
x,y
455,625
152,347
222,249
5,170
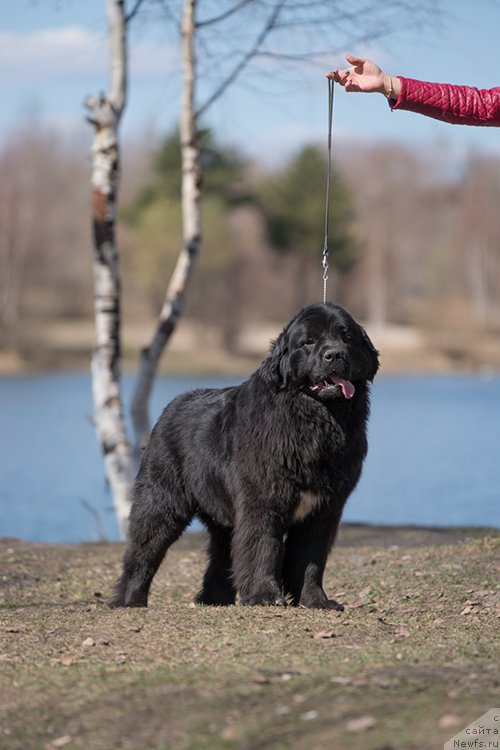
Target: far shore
x,y
200,350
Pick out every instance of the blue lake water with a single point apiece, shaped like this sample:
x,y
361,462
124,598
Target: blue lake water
x,y
434,456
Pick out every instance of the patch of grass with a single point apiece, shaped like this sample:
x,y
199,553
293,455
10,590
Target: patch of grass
x,y
416,643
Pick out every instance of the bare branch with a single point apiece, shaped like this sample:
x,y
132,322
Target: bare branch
x,y
223,16
117,29
170,15
268,27
101,534
134,10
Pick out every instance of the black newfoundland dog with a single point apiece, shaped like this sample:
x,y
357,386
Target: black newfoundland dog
x,y
266,465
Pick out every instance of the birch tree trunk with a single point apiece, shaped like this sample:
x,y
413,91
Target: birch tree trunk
x,y
192,231
105,113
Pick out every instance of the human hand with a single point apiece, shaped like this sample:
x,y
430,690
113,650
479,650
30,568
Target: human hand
x,y
363,75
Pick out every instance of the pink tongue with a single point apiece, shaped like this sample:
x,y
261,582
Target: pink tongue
x,y
346,385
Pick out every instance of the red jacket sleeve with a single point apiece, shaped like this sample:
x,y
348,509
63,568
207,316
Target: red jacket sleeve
x,y
462,105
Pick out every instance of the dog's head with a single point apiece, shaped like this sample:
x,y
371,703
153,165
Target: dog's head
x,y
322,352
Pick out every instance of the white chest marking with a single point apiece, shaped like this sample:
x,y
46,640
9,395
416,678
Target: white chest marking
x,y
307,504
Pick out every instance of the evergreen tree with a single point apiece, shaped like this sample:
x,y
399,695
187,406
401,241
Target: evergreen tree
x,y
293,205
155,214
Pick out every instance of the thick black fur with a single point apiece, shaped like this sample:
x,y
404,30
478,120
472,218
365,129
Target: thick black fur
x,y
246,460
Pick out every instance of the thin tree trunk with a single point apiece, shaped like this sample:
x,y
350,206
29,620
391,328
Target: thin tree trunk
x,y
105,114
192,231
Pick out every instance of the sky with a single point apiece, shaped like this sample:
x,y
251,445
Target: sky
x,y
54,52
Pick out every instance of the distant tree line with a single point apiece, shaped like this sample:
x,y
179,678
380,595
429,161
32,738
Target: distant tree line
x,y
414,241
288,205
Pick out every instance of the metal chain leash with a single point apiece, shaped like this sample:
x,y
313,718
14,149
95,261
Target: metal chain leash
x,y
328,180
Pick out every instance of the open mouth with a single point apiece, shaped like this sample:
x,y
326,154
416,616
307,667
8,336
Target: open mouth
x,y
331,383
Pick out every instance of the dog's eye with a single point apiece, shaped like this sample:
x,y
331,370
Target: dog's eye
x,y
346,336
309,342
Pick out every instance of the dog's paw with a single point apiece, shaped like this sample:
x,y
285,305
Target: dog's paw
x,y
264,599
332,604
318,600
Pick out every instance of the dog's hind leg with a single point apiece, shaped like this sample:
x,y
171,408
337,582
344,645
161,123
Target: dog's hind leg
x,y
154,526
218,588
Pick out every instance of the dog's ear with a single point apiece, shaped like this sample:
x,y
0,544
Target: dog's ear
x,y
373,355
276,367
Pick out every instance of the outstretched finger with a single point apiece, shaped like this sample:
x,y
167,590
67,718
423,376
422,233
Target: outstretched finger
x,y
354,60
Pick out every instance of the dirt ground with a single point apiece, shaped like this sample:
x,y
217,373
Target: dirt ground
x,y
412,660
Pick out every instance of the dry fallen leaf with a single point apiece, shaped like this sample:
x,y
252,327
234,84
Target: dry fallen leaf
x,y
324,634
364,592
341,680
59,742
282,710
403,632
361,724
260,678
447,721
228,733
309,715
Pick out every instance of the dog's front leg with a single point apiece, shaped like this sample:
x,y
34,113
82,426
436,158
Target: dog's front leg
x,y
306,551
257,554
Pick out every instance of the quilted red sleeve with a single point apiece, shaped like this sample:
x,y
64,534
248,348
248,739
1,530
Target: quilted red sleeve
x,y
462,105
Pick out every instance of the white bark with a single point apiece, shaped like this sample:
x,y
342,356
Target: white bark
x,y
105,113
192,231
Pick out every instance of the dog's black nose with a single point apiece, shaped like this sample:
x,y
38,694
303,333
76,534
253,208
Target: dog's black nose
x,y
329,355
